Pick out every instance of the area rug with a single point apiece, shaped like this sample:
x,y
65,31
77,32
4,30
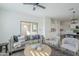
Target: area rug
x,y
55,52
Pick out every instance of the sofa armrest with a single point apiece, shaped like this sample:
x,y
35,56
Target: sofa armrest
x,y
11,42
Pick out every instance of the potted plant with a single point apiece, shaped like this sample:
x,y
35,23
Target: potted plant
x,y
35,44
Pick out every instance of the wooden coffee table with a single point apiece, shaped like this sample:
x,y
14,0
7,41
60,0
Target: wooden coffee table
x,y
29,51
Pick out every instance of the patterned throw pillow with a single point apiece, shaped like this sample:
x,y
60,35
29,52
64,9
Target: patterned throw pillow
x,y
15,38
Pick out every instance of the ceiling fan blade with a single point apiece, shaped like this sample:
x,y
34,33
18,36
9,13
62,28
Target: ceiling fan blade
x,y
41,6
35,4
29,3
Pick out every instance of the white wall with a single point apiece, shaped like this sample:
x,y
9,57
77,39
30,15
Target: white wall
x,y
10,23
1,26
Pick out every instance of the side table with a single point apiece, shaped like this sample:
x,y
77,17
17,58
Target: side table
x,y
4,44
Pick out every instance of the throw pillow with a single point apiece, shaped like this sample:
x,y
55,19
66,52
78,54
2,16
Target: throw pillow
x,y
15,38
21,38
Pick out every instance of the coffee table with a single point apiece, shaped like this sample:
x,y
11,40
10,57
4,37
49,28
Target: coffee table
x,y
29,51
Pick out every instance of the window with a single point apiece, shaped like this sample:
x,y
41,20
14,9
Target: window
x,y
28,28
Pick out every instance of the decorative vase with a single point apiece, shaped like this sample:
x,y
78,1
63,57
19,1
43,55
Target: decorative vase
x,y
39,48
34,46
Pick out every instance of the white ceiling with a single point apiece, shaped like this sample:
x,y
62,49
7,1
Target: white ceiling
x,y
59,10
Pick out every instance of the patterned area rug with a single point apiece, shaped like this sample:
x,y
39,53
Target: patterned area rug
x,y
55,52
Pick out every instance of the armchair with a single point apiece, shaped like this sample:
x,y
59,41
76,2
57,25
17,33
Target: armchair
x,y
70,44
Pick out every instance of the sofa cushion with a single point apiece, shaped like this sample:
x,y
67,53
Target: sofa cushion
x,y
21,38
27,38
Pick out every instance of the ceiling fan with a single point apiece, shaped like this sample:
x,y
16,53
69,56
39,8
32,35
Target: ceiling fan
x,y
35,5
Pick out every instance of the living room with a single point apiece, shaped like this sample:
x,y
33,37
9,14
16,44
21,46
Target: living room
x,y
34,26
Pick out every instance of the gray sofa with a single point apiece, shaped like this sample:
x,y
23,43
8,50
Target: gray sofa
x,y
27,41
